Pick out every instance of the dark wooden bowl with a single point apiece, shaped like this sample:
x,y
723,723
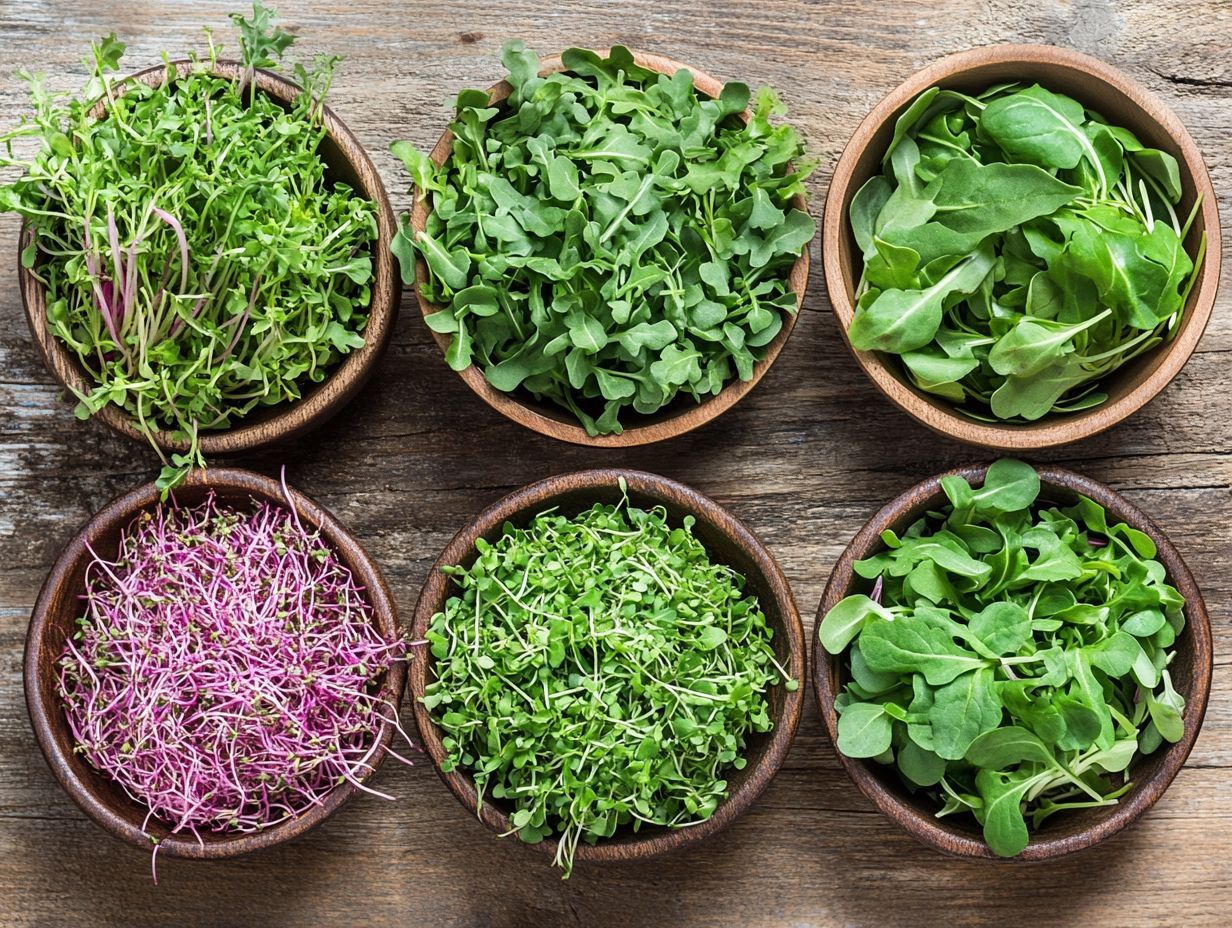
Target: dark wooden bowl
x,y
54,619
1097,86
346,161
548,419
728,540
1072,830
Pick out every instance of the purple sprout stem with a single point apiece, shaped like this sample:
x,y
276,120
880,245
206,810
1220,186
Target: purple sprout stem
x,y
226,673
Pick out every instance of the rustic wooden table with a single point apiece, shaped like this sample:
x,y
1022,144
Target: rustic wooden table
x,y
805,460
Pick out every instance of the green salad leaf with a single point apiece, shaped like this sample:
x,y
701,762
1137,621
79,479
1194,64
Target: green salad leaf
x,y
1011,658
632,238
1017,250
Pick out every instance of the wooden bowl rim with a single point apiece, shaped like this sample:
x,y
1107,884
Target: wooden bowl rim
x,y
655,429
1052,430
317,404
46,718
928,494
643,488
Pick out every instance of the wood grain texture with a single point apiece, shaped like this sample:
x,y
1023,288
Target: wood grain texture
x,y
728,541
677,417
1190,667
804,461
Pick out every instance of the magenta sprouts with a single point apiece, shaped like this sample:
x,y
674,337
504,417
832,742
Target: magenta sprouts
x,y
225,672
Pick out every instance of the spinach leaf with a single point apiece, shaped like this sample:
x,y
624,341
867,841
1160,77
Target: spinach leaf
x,y
1076,222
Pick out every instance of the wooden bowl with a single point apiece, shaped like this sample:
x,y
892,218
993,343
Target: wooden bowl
x,y
1065,832
346,161
54,619
1120,99
547,418
729,541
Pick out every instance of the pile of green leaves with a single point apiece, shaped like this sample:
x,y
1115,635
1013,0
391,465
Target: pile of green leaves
x,y
1017,249
196,262
598,672
1011,659
606,238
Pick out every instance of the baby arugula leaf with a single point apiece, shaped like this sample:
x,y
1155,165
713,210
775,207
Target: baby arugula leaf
x,y
1033,642
641,233
844,621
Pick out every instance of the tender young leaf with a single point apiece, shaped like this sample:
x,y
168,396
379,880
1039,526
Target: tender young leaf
x,y
909,644
964,709
866,206
842,623
903,320
1115,655
1005,829
922,767
1029,347
1009,486
864,730
1003,627
1008,747
1039,126
1166,708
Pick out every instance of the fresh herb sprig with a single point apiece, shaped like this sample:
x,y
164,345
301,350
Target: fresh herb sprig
x,y
1018,249
607,239
600,671
196,262
1011,658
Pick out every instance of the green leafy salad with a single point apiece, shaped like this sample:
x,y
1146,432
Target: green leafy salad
x,y
607,239
1017,250
1011,657
600,672
197,263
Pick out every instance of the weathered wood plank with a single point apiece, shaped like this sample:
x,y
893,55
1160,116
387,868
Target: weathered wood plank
x,y
805,460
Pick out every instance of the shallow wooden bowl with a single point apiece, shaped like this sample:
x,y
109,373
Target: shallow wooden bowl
x,y
346,161
729,541
54,618
677,418
1065,832
1099,87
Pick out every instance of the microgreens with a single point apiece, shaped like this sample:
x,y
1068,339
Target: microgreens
x,y
197,263
600,671
224,669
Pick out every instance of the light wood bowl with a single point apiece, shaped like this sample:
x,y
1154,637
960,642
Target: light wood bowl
x,y
53,621
1099,87
679,417
1067,831
346,161
728,541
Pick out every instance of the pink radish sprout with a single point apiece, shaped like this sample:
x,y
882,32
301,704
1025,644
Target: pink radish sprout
x,y
225,671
